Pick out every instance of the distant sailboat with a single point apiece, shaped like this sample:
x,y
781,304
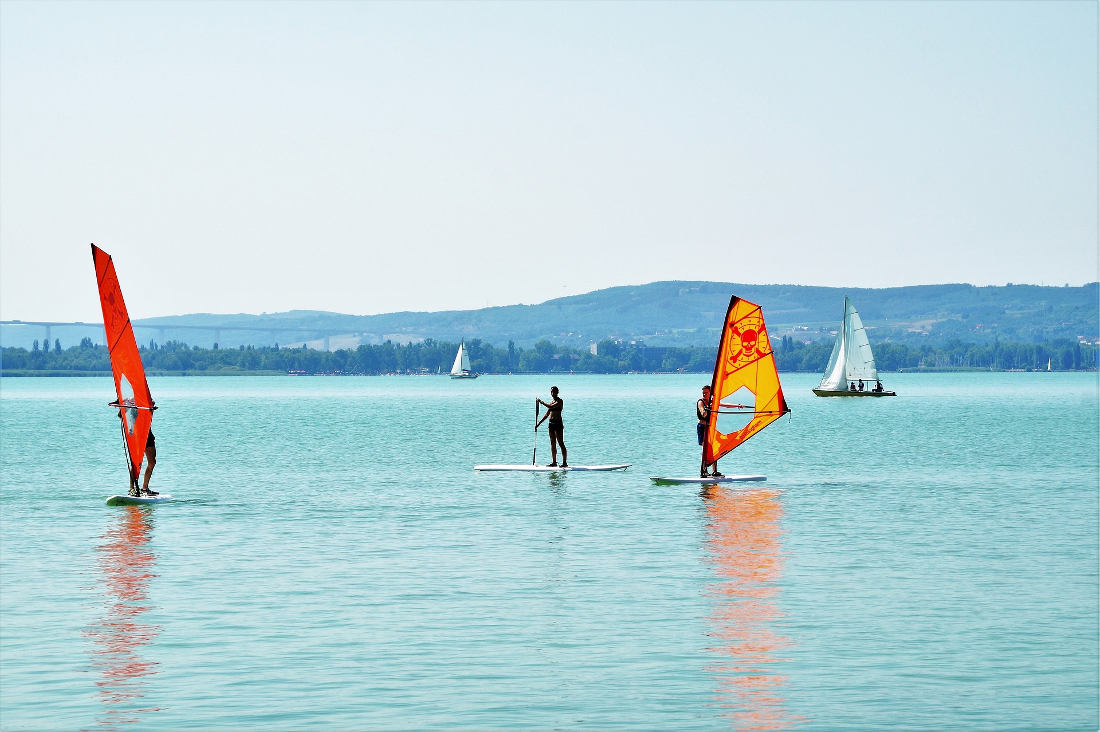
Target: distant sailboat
x,y
461,367
851,361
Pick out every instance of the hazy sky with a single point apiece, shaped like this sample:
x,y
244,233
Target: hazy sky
x,y
367,157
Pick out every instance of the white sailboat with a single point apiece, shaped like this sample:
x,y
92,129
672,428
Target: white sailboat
x,y
851,361
461,367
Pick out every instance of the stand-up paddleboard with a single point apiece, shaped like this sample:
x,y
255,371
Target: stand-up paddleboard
x,y
137,500
134,403
707,481
533,468
548,469
744,372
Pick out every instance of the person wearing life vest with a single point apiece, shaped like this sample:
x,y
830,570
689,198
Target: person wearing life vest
x,y
702,411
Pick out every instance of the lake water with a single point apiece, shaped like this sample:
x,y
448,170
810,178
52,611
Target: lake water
x,y
924,562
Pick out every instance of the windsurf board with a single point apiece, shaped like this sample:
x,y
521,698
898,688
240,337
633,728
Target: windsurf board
x,y
128,500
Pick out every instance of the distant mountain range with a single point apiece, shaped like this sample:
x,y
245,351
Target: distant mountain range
x,y
658,314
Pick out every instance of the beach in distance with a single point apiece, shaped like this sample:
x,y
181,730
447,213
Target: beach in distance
x,y
332,560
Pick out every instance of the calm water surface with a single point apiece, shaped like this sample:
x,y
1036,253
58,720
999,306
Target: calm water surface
x,y
925,562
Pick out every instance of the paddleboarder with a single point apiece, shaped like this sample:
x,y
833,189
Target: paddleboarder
x,y
555,427
702,411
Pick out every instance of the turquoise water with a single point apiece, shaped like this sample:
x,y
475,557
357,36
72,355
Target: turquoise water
x,y
925,562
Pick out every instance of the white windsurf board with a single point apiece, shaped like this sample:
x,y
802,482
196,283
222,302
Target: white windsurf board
x,y
707,481
548,469
128,500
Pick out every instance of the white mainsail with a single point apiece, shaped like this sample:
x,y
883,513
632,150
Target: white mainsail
x,y
851,358
462,362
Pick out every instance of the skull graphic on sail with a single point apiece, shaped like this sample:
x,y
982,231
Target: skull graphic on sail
x,y
747,342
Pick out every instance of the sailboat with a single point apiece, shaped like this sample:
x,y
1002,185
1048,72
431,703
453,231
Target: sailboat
x,y
134,402
745,392
851,361
461,367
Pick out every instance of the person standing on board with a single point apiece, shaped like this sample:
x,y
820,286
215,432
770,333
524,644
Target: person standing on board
x,y
555,427
151,460
702,411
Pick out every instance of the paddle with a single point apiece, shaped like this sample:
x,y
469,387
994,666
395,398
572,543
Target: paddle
x,y
535,446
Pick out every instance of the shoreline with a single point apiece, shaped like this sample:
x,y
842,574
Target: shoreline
x,y
51,373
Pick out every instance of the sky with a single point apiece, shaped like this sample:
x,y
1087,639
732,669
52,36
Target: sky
x,y
372,157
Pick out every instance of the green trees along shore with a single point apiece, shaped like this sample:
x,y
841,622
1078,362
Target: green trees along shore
x,y
430,356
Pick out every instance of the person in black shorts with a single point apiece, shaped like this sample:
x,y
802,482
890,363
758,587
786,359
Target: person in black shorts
x,y
702,411
555,427
151,461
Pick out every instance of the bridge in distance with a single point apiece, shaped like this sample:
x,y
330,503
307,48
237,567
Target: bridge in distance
x,y
273,331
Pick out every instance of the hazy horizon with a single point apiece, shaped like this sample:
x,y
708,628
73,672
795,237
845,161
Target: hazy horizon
x,y
380,157
579,294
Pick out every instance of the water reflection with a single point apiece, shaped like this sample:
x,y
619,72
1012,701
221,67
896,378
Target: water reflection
x,y
126,564
744,544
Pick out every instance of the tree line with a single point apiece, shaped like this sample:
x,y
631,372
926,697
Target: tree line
x,y
611,357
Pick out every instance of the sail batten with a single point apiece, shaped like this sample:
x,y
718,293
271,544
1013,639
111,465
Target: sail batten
x,y
131,387
744,365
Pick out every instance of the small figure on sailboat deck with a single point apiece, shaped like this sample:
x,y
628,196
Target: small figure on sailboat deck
x,y
861,384
555,427
702,411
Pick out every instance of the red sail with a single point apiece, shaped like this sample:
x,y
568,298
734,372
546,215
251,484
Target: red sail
x,y
130,385
746,381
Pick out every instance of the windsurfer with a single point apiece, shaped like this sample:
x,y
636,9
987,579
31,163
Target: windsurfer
x,y
555,427
151,461
702,411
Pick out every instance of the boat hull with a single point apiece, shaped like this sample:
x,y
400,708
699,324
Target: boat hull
x,y
465,376
846,393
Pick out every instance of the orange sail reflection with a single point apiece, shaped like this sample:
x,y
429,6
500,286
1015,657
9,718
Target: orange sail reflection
x,y
127,567
743,542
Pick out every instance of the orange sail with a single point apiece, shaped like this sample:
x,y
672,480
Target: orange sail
x,y
746,395
134,400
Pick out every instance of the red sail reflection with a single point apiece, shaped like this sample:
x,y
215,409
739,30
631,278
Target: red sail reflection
x,y
127,565
743,542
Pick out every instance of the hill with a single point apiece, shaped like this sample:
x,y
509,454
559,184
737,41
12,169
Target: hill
x,y
672,313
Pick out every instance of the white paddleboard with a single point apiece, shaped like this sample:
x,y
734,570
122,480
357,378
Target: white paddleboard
x,y
546,469
137,500
707,481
